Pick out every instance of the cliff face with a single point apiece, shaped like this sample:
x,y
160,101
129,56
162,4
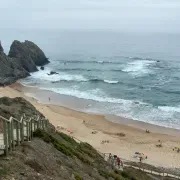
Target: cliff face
x,y
1,48
10,70
22,59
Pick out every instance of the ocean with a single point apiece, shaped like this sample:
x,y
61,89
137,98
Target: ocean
x,y
134,75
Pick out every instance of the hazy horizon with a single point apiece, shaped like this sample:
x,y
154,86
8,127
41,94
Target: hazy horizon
x,y
130,15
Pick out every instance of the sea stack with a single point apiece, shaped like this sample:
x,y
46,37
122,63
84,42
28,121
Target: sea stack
x,y
29,55
22,59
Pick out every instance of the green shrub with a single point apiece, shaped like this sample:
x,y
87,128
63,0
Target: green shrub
x,y
105,174
67,138
125,174
69,146
116,176
82,157
89,150
42,134
77,176
61,147
3,172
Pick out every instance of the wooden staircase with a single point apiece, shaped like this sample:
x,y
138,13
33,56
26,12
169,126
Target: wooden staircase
x,y
16,131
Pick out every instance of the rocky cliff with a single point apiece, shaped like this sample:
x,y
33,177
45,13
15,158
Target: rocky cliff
x,y
22,59
1,48
28,54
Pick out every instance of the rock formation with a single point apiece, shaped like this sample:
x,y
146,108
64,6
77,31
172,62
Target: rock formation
x,y
22,59
28,54
10,70
52,72
42,67
1,48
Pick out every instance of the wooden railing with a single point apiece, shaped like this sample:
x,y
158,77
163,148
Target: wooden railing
x,y
16,131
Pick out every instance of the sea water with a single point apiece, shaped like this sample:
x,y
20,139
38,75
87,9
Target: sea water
x,y
134,75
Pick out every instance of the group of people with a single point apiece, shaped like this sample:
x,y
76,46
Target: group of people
x,y
115,161
140,156
176,149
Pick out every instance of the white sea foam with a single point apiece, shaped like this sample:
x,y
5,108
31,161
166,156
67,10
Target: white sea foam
x,y
43,75
111,82
169,109
101,62
139,67
96,95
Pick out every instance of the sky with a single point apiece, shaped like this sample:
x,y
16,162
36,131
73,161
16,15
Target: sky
x,y
118,15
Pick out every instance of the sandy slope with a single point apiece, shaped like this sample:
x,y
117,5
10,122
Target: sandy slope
x,y
82,125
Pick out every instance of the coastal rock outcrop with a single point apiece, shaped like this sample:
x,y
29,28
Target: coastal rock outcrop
x,y
42,67
28,54
52,72
22,59
1,48
10,71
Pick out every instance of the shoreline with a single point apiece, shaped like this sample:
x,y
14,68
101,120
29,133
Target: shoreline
x,y
102,131
79,105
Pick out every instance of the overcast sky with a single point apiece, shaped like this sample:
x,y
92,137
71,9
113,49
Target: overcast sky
x,y
131,15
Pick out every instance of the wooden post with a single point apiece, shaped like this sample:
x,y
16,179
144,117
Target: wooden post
x,y
5,137
12,133
29,124
22,129
32,126
9,136
27,129
30,129
46,123
38,124
43,124
17,133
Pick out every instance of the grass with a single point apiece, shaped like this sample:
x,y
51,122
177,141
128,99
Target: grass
x,y
77,176
69,146
90,157
3,172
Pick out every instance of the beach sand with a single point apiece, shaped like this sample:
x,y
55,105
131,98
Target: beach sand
x,y
96,129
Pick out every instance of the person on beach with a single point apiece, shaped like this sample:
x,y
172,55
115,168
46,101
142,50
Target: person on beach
x,y
49,99
114,160
110,157
118,162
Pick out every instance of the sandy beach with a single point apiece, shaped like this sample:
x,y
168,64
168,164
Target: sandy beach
x,y
103,132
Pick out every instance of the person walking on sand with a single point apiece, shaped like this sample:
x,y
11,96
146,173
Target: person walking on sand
x,y
49,99
140,159
110,158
